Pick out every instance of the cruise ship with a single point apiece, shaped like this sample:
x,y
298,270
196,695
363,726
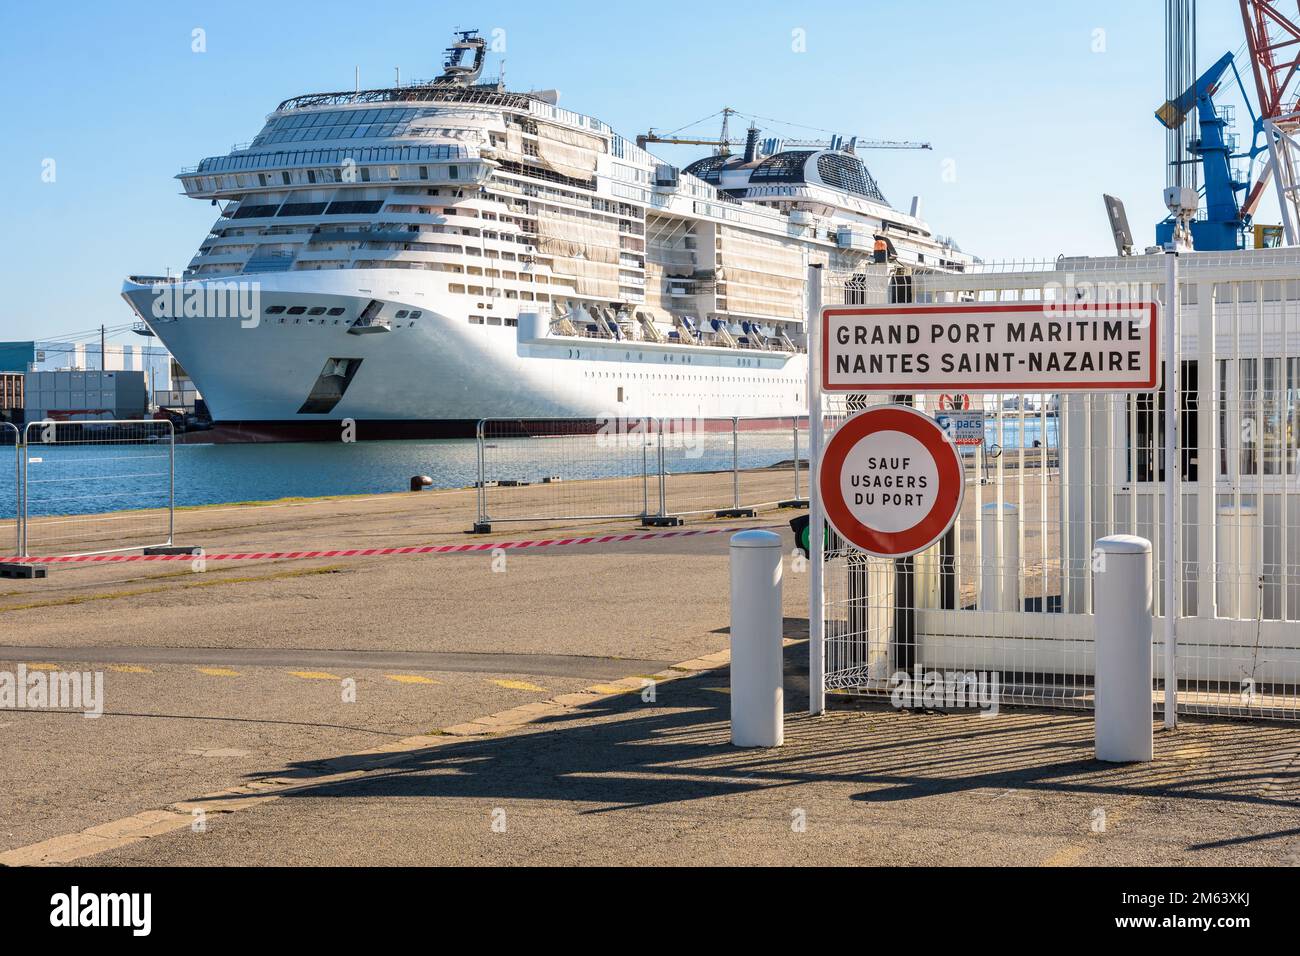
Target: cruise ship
x,y
422,257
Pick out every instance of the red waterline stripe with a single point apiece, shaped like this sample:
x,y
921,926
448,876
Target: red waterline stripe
x,y
375,552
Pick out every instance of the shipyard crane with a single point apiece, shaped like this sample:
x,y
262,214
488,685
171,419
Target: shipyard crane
x,y
1223,227
724,142
1273,38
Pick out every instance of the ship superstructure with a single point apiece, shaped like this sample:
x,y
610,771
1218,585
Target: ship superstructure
x,y
436,253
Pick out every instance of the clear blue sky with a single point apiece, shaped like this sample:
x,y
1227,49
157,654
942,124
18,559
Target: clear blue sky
x,y
1037,125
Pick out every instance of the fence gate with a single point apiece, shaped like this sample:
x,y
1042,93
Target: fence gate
x,y
1009,590
97,487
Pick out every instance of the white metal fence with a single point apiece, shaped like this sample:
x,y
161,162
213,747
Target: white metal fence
x,y
1010,590
81,485
655,470
10,487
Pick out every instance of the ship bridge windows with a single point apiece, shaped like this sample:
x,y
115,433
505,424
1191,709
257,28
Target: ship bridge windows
x,y
337,124
246,211
302,209
353,207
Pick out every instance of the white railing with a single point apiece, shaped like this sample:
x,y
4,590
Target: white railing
x,y
1011,588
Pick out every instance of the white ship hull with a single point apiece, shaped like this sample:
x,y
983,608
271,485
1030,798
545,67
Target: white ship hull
x,y
442,371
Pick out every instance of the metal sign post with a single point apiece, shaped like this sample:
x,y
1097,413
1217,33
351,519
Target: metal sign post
x,y
817,543
1173,465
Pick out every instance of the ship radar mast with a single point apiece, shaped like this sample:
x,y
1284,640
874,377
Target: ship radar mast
x,y
454,68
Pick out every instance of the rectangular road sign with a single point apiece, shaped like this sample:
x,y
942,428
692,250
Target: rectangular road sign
x,y
991,347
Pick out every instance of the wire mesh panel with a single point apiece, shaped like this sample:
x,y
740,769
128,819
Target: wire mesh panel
x,y
728,464
561,469
770,470
10,487
571,469
97,486
1010,593
1239,635
701,465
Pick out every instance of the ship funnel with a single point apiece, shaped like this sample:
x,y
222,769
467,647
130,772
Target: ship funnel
x,y
751,143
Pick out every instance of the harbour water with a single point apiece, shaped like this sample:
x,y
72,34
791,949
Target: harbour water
x,y
90,478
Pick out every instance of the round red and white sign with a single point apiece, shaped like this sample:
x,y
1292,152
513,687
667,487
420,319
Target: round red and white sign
x,y
891,481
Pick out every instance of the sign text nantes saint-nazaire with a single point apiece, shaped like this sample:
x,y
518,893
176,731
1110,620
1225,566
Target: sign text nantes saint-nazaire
x,y
990,347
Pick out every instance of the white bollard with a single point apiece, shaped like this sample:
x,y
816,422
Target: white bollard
x,y
1122,622
757,691
1000,559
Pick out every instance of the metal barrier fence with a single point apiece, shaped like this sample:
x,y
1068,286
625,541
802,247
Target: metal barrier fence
x,y
1010,590
81,484
652,469
10,487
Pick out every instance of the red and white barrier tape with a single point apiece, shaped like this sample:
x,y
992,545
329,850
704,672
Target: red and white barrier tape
x,y
374,552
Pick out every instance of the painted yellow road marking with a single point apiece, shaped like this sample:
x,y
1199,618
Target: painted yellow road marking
x,y
1070,855
1067,856
315,675
95,840
518,685
610,689
42,667
129,669
412,679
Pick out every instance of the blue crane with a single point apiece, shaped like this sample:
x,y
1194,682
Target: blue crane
x,y
1225,223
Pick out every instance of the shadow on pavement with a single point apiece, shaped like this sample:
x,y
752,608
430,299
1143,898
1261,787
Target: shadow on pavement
x,y
622,753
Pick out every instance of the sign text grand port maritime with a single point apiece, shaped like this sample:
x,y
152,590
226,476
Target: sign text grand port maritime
x,y
991,347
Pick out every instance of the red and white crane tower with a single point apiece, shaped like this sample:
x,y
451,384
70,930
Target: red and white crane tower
x,y
1274,41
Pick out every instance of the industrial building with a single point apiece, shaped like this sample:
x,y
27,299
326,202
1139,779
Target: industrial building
x,y
85,396
11,397
87,380
49,356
